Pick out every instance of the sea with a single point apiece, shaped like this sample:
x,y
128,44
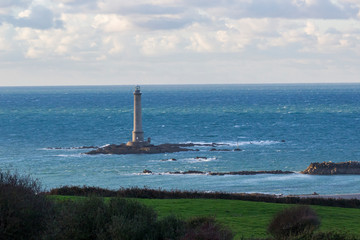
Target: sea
x,y
277,127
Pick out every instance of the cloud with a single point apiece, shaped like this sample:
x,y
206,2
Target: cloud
x,y
165,23
296,9
111,23
38,17
150,9
91,35
14,3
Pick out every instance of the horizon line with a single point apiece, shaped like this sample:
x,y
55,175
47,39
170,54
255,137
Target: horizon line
x,y
187,84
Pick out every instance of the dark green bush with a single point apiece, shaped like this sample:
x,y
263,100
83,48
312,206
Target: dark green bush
x,y
332,236
24,212
81,220
294,222
131,220
92,218
171,227
206,228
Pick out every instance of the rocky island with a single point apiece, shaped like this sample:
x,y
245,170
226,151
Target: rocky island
x,y
330,168
140,146
148,149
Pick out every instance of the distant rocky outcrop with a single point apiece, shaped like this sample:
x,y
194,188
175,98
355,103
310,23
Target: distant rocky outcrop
x,y
232,173
65,148
330,168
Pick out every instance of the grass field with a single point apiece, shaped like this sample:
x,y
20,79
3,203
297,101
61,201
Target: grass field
x,y
249,219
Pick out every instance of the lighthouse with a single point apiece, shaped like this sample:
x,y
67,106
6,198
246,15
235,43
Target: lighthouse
x,y
137,133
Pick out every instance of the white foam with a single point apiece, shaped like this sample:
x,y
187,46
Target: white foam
x,y
105,145
69,155
237,143
57,149
197,160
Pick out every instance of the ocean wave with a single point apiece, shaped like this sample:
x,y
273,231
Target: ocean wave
x,y
236,143
69,155
256,142
199,159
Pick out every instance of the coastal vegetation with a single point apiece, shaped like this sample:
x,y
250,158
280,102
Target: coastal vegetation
x,y
148,193
28,213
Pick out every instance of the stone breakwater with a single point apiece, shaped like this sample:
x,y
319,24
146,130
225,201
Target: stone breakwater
x,y
330,168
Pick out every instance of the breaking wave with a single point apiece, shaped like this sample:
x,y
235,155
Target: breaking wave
x,y
235,143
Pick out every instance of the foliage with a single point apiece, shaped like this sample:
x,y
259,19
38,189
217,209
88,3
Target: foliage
x,y
294,222
92,218
171,227
332,236
206,228
24,212
126,219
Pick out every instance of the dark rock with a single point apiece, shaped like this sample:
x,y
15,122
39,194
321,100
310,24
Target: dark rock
x,y
330,168
147,171
201,158
237,149
187,172
171,159
219,150
233,173
60,148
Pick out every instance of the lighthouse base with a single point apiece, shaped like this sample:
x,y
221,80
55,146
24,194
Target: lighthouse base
x,y
137,144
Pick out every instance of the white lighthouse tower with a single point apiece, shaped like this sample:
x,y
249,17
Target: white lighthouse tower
x,y
137,133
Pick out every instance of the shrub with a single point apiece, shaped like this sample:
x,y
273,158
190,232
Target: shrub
x,y
131,220
294,222
206,228
91,219
332,236
170,227
80,220
24,212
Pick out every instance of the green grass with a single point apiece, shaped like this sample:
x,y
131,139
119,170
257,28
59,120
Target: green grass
x,y
248,219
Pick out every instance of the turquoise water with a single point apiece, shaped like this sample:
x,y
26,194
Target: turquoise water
x,y
318,123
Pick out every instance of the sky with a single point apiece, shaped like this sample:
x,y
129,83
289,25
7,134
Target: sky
x,y
116,42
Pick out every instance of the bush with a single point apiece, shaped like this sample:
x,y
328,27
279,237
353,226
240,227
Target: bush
x,y
171,227
206,228
24,212
294,222
81,220
332,236
91,218
131,220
